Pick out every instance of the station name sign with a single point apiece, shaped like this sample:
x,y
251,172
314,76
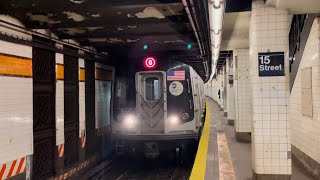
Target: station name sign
x,y
271,64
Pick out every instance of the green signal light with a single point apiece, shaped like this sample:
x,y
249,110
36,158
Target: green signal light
x,y
145,47
189,46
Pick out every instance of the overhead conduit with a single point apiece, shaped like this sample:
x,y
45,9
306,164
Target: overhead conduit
x,y
216,12
184,2
195,24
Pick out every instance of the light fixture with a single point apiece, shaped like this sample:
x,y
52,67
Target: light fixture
x,y
216,51
216,3
130,121
173,120
218,13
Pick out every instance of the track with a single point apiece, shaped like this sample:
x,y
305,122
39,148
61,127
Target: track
x,y
139,168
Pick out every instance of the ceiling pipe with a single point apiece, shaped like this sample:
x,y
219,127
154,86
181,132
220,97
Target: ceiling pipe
x,y
216,12
184,2
199,7
24,30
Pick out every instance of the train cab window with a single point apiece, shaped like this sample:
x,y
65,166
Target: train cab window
x,y
152,88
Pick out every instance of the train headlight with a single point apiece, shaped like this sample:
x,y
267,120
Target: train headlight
x,y
130,121
173,120
185,116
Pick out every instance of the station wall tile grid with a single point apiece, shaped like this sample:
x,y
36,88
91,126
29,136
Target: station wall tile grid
x,y
305,129
271,136
82,123
242,91
16,105
59,102
231,92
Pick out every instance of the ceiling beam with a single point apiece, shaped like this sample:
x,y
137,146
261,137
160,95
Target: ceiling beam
x,y
112,22
151,47
44,7
122,35
140,2
139,49
165,53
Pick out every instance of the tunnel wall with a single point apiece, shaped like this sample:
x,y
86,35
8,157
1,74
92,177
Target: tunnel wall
x,y
231,114
17,113
305,103
212,88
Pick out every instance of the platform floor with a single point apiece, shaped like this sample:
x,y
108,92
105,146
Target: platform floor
x,y
228,159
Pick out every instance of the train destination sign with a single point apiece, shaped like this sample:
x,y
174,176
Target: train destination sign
x,y
271,64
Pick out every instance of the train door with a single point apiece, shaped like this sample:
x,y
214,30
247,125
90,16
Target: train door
x,y
151,101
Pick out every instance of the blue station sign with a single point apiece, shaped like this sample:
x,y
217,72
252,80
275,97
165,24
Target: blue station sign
x,y
271,64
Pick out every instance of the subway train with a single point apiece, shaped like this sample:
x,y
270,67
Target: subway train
x,y
158,108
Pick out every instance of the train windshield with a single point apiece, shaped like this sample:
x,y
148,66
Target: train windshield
x,y
152,89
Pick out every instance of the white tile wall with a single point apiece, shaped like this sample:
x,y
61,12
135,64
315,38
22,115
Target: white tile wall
x,y
216,87
59,105
242,91
82,122
16,117
230,93
220,87
305,130
16,109
16,104
269,32
224,87
211,89
15,49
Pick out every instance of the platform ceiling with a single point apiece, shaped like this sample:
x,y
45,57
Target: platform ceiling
x,y
121,28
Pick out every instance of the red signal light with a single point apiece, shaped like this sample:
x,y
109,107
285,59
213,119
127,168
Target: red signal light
x,y
150,62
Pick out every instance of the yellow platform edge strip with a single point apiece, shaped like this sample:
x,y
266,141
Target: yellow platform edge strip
x,y
199,167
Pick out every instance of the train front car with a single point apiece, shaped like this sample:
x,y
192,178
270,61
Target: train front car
x,y
167,114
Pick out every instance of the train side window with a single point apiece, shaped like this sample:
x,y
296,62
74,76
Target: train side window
x,y
152,88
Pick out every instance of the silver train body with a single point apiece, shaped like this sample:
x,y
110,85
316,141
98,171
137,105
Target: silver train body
x,y
168,113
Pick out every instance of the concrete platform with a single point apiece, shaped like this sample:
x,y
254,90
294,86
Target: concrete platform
x,y
225,157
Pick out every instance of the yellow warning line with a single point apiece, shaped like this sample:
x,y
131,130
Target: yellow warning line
x,y
200,163
226,170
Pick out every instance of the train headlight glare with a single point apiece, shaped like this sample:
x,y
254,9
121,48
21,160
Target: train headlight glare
x,y
185,116
173,120
130,121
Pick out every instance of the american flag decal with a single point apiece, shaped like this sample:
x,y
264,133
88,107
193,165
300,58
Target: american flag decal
x,y
176,75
